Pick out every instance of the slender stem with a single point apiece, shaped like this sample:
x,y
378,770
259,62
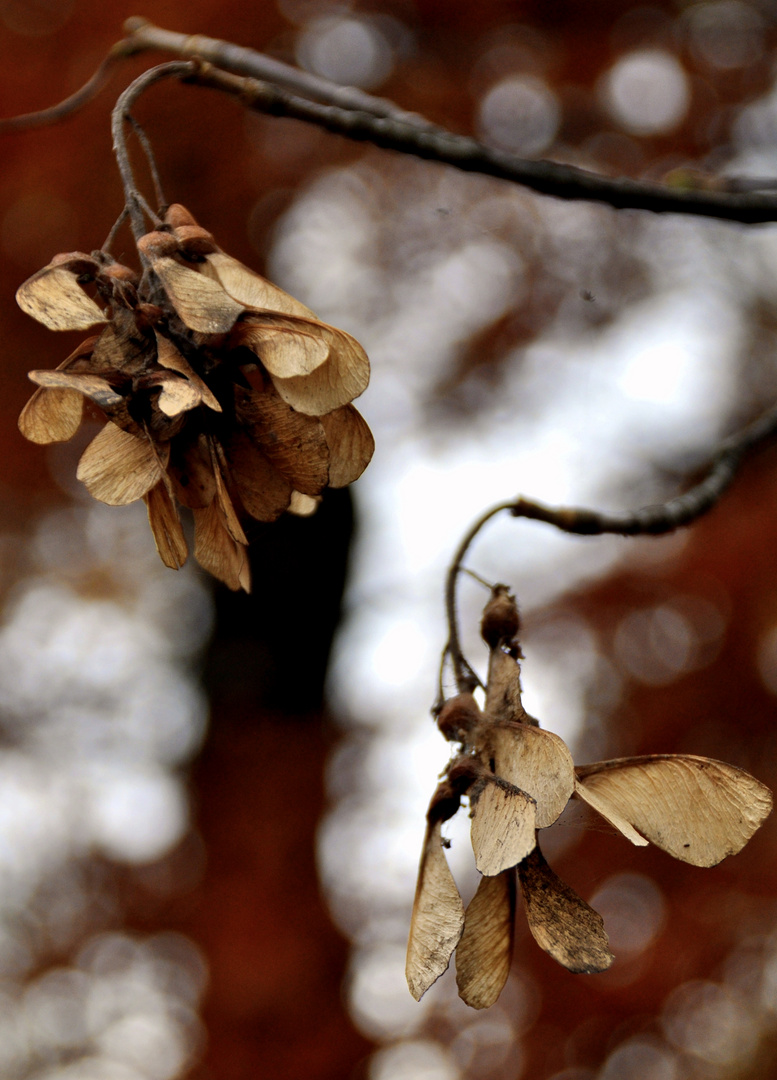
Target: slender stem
x,y
143,35
175,70
647,521
88,92
145,142
466,678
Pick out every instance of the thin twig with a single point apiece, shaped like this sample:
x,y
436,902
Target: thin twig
x,y
145,142
649,521
356,115
177,69
460,151
143,35
88,92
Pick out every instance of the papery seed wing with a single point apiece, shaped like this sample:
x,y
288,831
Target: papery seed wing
x,y
503,695
331,385
217,551
191,472
287,349
120,347
536,761
695,808
200,303
303,505
295,444
118,468
249,288
170,357
351,445
166,526
610,814
503,827
560,921
438,917
223,499
92,386
264,493
51,416
485,951
54,297
177,395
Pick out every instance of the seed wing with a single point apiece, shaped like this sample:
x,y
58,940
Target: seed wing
x,y
695,808
438,917
485,951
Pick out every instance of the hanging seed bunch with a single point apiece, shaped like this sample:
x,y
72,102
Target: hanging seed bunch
x,y
519,778
221,392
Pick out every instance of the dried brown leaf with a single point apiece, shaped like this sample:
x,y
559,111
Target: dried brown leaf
x,y
503,827
170,357
249,288
438,917
166,526
295,444
200,303
217,551
560,921
695,808
351,445
264,493
485,951
118,468
51,416
54,297
536,761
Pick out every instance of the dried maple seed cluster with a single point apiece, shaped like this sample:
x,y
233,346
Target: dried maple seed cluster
x,y
518,778
222,393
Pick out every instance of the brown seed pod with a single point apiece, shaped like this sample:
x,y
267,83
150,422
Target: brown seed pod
x,y
459,715
500,622
194,240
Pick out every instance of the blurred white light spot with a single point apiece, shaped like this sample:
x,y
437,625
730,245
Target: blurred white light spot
x,y
483,1046
379,1000
711,1022
153,1044
659,373
520,114
136,816
726,35
655,645
419,1059
400,652
349,51
647,92
633,910
638,1059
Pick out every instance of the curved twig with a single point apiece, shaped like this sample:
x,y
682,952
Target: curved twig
x,y
648,521
88,92
177,69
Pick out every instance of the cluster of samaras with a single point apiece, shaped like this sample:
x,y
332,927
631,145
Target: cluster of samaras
x,y
222,393
518,779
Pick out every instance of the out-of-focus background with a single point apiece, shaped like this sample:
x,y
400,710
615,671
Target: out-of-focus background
x,y
211,805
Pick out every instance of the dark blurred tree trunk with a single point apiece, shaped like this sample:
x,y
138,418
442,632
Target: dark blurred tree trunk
x,y
277,962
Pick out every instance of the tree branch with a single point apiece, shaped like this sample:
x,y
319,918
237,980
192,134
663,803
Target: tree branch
x,y
257,80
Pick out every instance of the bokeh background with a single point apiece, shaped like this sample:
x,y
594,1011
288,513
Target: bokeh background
x,y
211,805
